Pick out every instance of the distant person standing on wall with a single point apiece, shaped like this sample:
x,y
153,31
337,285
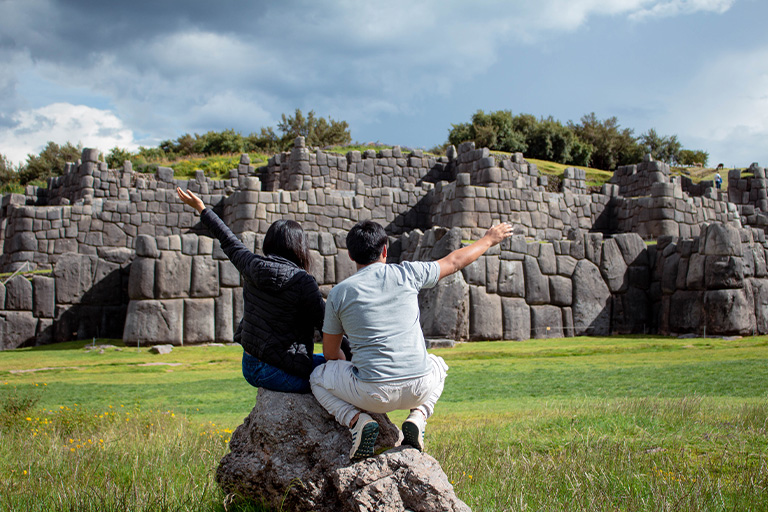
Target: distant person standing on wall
x,y
282,304
718,181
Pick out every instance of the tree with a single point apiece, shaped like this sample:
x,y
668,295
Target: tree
x,y
664,148
266,141
225,142
51,161
117,157
7,172
612,146
316,131
693,157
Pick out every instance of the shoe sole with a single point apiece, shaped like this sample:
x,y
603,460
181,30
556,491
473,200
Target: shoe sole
x,y
367,440
411,435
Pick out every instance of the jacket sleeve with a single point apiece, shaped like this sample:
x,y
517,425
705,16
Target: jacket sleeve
x,y
235,250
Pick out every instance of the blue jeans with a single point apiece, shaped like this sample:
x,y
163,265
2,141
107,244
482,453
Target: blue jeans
x,y
262,375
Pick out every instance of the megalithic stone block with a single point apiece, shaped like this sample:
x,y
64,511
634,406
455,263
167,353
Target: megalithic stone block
x,y
199,321
445,308
223,314
150,322
44,296
591,301
18,294
485,320
516,318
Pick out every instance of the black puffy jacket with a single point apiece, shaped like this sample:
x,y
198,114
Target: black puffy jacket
x,y
282,304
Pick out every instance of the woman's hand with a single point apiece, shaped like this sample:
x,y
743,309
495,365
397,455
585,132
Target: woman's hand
x,y
191,199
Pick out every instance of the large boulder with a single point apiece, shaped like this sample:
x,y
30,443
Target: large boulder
x,y
154,321
290,453
591,301
445,308
17,328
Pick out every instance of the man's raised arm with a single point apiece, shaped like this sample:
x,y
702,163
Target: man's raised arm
x,y
460,258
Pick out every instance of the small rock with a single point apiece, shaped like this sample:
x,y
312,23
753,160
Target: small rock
x,y
161,349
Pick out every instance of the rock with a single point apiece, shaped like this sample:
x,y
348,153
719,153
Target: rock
x,y
18,294
291,454
173,273
343,265
161,349
448,243
516,315
613,267
723,272
475,273
205,277
591,301
152,321
729,311
546,322
485,321
560,290
632,249
721,240
141,280
146,246
686,312
44,297
511,279
199,320
445,308
74,276
536,283
400,479
17,328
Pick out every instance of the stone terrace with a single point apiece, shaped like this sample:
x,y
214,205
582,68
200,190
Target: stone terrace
x,y
128,259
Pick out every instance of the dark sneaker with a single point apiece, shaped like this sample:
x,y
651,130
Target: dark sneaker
x,y
364,435
413,431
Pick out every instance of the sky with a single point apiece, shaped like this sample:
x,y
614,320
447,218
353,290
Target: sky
x,y
130,74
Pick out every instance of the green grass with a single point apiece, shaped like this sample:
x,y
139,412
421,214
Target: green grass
x,y
28,274
627,423
216,167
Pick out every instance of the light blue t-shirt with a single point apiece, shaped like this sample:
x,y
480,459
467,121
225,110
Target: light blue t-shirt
x,y
378,309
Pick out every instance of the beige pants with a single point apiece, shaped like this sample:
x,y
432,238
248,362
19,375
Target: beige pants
x,y
338,389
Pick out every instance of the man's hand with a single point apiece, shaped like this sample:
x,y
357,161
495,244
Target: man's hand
x,y
498,233
191,199
460,258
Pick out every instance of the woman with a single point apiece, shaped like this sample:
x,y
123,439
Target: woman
x,y
282,302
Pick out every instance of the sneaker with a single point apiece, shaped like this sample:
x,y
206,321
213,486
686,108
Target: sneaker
x,y
364,435
413,430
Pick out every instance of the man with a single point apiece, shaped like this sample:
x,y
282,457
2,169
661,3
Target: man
x,y
377,308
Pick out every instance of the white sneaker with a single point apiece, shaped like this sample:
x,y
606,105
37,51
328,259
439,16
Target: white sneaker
x,y
413,430
364,435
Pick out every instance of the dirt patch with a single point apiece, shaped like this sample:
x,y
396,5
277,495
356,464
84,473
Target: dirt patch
x,y
46,369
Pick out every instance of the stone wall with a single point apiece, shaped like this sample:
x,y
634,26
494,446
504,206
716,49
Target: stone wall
x,y
716,283
83,297
107,238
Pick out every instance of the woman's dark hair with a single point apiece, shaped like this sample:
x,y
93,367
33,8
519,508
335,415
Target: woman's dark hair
x,y
365,241
286,238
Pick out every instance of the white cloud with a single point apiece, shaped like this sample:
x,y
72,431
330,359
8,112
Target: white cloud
x,y
668,8
61,123
724,108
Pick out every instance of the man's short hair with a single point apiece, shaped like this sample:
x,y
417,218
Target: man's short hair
x,y
365,241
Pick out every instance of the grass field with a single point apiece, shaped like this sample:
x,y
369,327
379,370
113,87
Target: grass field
x,y
630,423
